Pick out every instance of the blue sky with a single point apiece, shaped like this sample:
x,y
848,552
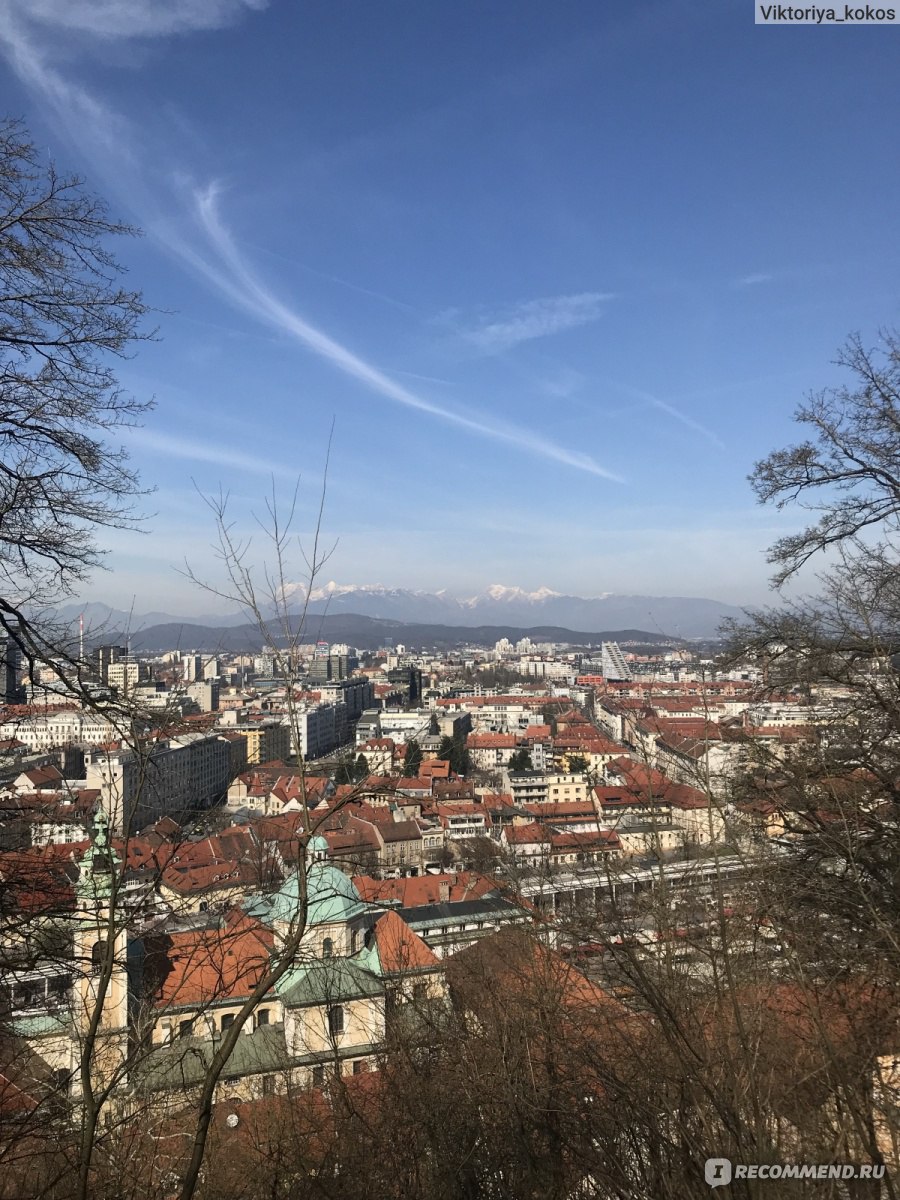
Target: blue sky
x,y
558,274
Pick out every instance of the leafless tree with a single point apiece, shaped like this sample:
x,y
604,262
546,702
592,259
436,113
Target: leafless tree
x,y
65,316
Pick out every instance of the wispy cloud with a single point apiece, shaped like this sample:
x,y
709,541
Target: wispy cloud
x,y
676,414
685,420
178,446
132,18
501,329
753,280
563,384
328,277
421,378
239,283
107,134
75,108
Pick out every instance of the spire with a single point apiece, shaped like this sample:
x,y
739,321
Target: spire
x,y
99,861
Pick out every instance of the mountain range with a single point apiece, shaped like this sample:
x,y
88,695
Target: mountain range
x,y
682,617
673,616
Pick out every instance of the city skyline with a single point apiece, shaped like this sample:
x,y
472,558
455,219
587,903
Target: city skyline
x,y
557,279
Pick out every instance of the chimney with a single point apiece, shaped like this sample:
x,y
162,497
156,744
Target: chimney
x,y
444,891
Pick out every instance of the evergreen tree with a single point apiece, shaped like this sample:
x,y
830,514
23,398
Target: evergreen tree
x,y
521,761
413,762
455,751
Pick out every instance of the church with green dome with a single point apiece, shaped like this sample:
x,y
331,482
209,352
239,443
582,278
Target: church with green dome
x,y
350,964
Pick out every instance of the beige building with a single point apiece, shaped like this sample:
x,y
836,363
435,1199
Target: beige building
x,y
267,741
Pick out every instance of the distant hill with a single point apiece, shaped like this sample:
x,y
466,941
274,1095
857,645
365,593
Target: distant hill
x,y
101,620
671,616
498,607
369,633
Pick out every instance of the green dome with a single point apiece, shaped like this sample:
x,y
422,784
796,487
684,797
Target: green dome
x,y
330,894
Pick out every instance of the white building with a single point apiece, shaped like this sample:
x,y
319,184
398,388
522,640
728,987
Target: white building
x,y
57,728
320,729
407,725
613,665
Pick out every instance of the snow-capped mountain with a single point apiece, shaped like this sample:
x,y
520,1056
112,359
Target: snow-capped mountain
x,y
498,604
501,604
509,595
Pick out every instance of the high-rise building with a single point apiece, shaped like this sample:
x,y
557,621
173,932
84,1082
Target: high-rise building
x,y
407,680
205,693
10,671
331,668
126,674
613,665
104,657
192,667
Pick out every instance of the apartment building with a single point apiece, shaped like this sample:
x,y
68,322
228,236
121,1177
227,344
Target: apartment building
x,y
356,695
320,729
536,787
172,777
266,740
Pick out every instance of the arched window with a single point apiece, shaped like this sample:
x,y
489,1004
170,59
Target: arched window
x,y
59,1080
327,948
335,1020
98,956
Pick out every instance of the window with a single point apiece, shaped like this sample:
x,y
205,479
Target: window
x,y
327,947
59,1080
31,995
58,987
262,1017
420,992
227,1021
360,1067
98,954
318,1076
335,1020
268,1085
185,1029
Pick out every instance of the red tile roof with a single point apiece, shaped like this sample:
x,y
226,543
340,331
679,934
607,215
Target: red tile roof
x,y
205,965
537,733
526,835
425,889
597,839
399,947
41,880
644,782
491,741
